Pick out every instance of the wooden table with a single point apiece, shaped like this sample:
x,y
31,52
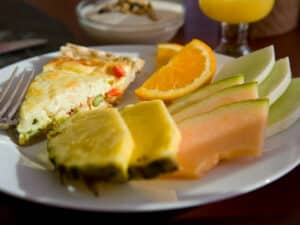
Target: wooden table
x,y
277,203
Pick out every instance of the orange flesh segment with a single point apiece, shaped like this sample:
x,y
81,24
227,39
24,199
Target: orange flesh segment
x,y
189,69
168,75
166,52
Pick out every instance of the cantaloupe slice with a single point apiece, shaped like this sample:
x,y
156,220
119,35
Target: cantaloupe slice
x,y
228,132
233,94
286,110
277,81
255,66
204,92
156,139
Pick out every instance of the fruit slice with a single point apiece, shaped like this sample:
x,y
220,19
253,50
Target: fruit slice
x,y
229,95
277,81
93,145
204,92
286,110
165,51
190,69
226,133
156,138
255,66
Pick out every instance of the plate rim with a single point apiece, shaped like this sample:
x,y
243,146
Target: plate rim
x,y
182,203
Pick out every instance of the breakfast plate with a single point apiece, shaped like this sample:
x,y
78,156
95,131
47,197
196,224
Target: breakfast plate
x,y
24,171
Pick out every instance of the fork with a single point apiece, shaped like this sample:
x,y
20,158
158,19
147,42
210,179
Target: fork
x,y
12,95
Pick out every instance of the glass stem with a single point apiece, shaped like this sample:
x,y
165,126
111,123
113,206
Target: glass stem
x,y
234,39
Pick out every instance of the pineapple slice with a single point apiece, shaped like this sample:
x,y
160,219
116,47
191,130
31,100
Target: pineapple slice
x,y
156,138
94,145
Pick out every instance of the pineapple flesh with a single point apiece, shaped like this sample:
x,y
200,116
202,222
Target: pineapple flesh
x,y
156,139
94,146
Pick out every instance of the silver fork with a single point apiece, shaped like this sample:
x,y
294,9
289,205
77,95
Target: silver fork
x,y
12,95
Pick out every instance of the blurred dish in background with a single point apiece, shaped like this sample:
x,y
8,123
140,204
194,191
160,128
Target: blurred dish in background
x,y
135,7
130,21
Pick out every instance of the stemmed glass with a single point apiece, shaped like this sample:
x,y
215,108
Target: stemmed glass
x,y
235,15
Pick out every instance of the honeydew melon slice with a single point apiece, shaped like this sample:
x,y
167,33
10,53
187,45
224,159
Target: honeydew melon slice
x,y
156,139
277,81
233,94
286,110
228,132
204,92
255,66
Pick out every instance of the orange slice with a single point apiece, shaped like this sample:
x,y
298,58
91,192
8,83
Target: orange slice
x,y
165,51
189,69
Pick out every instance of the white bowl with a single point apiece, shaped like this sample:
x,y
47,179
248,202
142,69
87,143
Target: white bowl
x,y
134,32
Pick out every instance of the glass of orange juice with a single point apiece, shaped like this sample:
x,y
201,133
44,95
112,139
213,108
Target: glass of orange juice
x,y
235,15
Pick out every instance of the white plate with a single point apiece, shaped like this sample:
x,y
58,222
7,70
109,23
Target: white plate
x,y
22,172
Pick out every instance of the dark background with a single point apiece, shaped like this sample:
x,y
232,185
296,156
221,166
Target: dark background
x,y
278,203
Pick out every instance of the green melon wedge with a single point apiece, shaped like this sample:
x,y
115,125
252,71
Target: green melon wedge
x,y
204,92
286,110
233,94
277,81
156,139
225,133
255,66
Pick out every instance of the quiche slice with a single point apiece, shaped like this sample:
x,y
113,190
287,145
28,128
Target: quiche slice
x,y
80,79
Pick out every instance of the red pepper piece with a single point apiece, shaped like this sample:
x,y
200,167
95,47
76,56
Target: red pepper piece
x,y
89,102
70,112
115,92
118,71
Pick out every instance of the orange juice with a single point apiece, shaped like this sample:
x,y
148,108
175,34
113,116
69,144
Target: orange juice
x,y
236,11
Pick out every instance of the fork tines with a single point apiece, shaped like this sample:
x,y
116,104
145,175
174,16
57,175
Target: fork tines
x,y
12,95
